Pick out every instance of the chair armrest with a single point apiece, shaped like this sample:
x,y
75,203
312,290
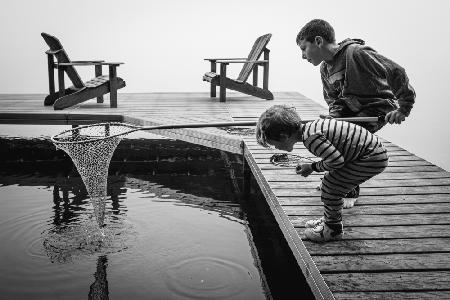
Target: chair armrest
x,y
215,59
51,52
242,61
89,63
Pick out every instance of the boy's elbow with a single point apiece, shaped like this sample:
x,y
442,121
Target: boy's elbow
x,y
337,164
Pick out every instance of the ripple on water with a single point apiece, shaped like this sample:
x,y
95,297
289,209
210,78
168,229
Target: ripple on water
x,y
207,278
63,244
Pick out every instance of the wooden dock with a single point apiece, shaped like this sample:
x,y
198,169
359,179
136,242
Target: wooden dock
x,y
397,238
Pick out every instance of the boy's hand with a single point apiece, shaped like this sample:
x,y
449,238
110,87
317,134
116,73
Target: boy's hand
x,y
304,169
395,116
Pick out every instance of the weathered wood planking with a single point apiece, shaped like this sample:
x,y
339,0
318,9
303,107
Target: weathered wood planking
x,y
139,109
397,239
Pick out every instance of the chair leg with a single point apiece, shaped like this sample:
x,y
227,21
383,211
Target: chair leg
x,y
213,90
255,75
223,76
213,85
113,86
266,70
51,74
98,72
61,82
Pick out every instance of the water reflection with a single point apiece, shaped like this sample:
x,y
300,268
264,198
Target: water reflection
x,y
155,211
99,288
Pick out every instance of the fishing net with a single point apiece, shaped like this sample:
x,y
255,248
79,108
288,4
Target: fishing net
x,y
91,148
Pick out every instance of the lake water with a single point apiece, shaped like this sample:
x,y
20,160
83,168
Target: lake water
x,y
175,229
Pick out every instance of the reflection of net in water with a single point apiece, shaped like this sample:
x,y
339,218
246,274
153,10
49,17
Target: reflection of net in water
x,y
91,148
67,243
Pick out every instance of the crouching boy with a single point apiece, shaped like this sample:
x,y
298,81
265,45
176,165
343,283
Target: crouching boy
x,y
350,156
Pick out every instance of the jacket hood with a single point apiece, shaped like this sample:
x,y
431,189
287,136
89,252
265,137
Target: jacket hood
x,y
345,43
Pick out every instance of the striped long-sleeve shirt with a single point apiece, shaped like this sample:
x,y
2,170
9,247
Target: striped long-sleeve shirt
x,y
337,142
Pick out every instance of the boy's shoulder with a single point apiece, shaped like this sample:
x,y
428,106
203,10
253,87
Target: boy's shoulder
x,y
357,48
348,48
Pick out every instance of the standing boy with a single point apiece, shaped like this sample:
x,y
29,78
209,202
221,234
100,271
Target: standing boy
x,y
357,81
350,156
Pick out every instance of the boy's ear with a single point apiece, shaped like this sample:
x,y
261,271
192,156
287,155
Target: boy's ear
x,y
318,40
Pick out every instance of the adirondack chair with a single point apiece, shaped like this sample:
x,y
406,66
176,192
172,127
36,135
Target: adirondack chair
x,y
80,91
251,64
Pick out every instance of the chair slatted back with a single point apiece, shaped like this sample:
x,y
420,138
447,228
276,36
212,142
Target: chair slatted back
x,y
257,49
62,57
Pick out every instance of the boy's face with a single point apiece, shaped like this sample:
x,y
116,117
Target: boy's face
x,y
286,143
312,52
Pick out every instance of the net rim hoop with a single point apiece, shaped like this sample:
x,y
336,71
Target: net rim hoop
x,y
55,137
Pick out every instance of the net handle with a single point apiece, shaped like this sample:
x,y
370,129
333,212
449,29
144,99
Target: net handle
x,y
249,123
134,128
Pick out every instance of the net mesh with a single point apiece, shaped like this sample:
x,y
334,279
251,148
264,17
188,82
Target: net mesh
x,y
91,149
289,160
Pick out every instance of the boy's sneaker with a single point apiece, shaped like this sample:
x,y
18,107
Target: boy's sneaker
x,y
314,223
323,233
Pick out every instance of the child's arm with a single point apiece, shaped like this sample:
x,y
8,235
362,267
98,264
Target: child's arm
x,y
321,147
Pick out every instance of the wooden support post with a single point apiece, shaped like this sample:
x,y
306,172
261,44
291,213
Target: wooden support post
x,y
223,76
65,193
113,86
61,82
255,75
98,72
213,86
246,178
266,69
107,130
75,132
51,73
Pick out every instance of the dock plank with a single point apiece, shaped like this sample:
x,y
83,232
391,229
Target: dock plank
x,y
411,295
392,281
383,263
380,246
379,220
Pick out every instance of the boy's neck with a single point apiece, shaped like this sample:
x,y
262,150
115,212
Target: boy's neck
x,y
328,51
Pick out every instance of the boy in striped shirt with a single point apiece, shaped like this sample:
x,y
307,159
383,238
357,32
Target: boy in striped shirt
x,y
350,156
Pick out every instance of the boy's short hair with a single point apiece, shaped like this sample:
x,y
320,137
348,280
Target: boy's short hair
x,y
316,27
277,120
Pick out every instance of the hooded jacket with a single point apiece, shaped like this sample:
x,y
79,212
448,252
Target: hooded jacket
x,y
359,79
